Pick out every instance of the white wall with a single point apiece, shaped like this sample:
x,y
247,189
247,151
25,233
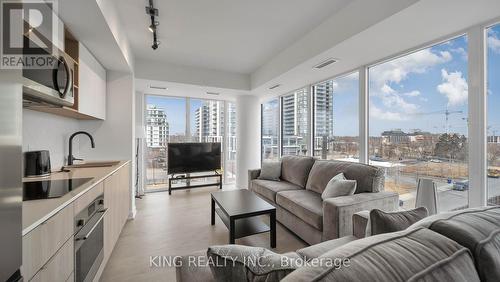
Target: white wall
x,y
42,131
163,71
248,137
110,14
115,137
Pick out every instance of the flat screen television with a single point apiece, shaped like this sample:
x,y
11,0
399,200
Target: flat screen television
x,y
193,157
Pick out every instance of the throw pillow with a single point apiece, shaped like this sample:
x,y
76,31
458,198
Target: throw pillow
x,y
271,170
339,186
386,222
243,263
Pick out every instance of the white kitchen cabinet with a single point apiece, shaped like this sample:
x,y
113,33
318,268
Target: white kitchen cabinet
x,y
92,85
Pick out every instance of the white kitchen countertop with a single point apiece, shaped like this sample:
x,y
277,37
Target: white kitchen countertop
x,y
36,212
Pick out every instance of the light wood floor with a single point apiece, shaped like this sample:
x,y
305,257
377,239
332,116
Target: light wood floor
x,y
176,225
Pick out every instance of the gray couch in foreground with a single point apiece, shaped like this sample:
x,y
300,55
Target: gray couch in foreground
x,y
458,246
297,196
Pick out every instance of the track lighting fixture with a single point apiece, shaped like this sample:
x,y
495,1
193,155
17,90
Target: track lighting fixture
x,y
153,27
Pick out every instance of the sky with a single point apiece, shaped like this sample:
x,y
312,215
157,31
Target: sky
x,y
175,108
414,91
346,106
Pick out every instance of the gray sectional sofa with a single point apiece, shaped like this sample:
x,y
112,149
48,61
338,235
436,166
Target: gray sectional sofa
x,y
297,196
458,246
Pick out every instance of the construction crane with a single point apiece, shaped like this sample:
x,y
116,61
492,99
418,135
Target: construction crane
x,y
446,113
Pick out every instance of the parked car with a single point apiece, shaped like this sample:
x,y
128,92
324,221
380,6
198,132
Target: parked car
x,y
493,173
462,185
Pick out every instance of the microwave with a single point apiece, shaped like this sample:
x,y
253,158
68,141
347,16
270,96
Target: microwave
x,y
51,85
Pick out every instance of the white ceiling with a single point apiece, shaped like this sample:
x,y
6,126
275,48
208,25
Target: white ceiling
x,y
227,35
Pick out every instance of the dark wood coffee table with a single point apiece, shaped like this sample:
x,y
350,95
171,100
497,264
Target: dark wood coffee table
x,y
238,210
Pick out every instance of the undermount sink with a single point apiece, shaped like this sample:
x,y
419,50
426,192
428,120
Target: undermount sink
x,y
94,164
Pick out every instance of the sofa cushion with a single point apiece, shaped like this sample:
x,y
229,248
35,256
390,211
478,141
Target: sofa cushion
x,y
304,204
478,229
317,250
295,169
187,271
386,222
339,186
269,188
271,170
368,178
243,263
416,255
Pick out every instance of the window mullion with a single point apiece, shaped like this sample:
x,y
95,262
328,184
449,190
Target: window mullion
x,y
477,117
363,116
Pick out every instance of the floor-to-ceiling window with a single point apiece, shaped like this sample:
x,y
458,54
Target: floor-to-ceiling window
x,y
165,119
295,122
493,127
418,122
336,121
270,115
174,119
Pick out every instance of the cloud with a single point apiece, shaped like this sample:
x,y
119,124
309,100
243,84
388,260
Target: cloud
x,y
391,98
387,89
352,76
395,72
461,52
414,93
494,42
398,70
454,87
377,113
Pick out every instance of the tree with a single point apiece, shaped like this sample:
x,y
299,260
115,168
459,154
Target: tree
x,y
451,146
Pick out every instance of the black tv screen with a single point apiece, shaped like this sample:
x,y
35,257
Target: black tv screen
x,y
193,157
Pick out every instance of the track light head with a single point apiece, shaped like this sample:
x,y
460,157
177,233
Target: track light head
x,y
153,26
155,45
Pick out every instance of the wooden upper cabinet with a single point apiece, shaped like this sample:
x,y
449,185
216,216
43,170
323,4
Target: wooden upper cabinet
x,y
92,85
89,83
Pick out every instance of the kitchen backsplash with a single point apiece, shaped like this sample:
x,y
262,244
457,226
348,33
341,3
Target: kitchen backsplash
x,y
42,131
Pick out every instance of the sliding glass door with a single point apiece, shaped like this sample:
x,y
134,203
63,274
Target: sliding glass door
x,y
177,120
165,119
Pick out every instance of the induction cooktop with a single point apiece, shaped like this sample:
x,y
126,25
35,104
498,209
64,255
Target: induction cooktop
x,y
47,189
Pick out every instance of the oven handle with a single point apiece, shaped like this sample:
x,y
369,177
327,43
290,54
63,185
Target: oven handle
x,y
101,213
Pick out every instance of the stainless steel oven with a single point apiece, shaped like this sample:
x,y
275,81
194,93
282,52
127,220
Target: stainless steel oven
x,y
89,240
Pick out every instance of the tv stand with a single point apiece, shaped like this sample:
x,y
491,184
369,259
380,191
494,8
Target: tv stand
x,y
189,186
